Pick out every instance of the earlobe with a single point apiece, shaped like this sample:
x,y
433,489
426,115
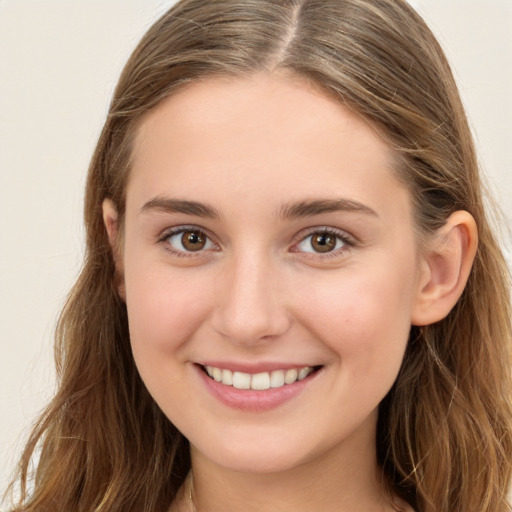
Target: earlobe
x,y
445,269
111,221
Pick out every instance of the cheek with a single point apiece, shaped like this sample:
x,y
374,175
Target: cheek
x,y
164,308
364,317
164,312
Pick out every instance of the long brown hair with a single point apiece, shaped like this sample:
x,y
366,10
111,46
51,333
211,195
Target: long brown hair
x,y
445,429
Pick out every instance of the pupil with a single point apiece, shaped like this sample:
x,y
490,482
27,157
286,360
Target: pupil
x,y
193,241
324,242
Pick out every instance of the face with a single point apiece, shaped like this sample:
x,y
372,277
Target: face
x,y
270,270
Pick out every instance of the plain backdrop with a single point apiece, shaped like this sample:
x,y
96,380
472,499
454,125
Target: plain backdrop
x,y
59,62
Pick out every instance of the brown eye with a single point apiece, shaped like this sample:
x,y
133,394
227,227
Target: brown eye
x,y
183,241
193,240
323,242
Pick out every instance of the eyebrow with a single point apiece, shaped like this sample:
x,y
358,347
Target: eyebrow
x,y
319,206
168,205
287,211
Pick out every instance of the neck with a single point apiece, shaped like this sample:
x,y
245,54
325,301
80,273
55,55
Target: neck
x,y
344,479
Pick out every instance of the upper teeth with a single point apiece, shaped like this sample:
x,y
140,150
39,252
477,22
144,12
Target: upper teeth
x,y
258,381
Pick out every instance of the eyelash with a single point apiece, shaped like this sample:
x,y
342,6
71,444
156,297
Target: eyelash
x,y
347,241
164,239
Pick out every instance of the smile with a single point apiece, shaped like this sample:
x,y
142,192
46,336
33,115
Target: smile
x,y
258,381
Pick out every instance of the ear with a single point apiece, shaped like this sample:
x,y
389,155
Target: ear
x,y
445,268
110,219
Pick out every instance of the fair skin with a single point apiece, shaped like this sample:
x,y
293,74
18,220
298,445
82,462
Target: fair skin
x,y
298,252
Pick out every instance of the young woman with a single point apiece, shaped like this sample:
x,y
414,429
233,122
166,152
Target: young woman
x,y
292,298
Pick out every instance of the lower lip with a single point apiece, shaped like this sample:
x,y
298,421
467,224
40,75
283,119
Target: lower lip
x,y
255,401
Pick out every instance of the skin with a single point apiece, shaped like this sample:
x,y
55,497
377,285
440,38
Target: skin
x,y
259,292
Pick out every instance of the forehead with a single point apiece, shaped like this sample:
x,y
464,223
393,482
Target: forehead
x,y
264,134
262,103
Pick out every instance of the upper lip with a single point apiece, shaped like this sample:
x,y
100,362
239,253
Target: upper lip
x,y
253,368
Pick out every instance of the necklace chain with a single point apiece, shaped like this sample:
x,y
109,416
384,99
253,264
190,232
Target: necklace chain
x,y
191,492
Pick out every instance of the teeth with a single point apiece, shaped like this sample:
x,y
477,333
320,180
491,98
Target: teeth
x,y
258,381
241,380
290,376
227,377
277,379
217,374
303,373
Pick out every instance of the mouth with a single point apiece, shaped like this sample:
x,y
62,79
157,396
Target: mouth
x,y
258,381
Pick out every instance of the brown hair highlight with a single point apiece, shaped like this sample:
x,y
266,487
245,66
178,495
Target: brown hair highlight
x,y
445,429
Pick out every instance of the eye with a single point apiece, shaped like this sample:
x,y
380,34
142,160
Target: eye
x,y
324,241
187,240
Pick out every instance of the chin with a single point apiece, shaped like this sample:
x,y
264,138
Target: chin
x,y
262,457
266,463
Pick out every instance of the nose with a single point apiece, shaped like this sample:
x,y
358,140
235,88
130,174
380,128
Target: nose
x,y
251,305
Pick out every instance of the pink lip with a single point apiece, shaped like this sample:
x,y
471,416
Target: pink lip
x,y
253,367
251,400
